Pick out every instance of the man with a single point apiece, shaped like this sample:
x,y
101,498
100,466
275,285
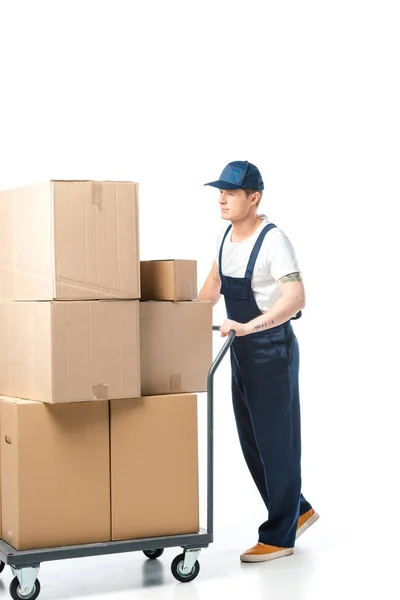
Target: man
x,y
256,271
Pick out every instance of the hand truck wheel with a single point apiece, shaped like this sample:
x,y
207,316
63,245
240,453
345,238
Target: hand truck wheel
x,y
15,590
153,554
177,569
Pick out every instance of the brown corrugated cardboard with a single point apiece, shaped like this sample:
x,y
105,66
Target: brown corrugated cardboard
x,y
70,351
175,346
154,467
168,280
56,473
69,240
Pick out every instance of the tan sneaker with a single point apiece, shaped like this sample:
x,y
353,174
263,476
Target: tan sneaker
x,y
262,552
305,521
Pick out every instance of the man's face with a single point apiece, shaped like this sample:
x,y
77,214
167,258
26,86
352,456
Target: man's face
x,y
234,204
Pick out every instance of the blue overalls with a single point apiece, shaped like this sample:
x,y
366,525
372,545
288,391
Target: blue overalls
x,y
265,394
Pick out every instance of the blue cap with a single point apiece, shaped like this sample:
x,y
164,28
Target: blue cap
x,y
239,174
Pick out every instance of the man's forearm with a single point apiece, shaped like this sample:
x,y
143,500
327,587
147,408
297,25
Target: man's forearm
x,y
210,292
280,312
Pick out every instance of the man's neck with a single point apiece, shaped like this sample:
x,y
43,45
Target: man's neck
x,y
242,230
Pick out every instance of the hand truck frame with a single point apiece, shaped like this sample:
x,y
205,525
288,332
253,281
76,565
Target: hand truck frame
x,y
25,564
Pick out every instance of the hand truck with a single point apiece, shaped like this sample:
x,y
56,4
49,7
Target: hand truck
x,y
25,564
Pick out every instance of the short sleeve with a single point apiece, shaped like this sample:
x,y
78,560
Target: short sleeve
x,y
281,258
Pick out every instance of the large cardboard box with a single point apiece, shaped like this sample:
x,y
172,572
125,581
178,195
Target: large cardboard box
x,y
70,351
154,467
69,240
168,280
175,346
55,467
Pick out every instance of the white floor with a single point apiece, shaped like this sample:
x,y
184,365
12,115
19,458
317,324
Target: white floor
x,y
329,562
350,475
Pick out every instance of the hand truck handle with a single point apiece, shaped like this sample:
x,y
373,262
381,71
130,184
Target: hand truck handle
x,y
223,351
210,427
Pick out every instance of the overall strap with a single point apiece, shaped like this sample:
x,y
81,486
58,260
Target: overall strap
x,y
256,250
220,250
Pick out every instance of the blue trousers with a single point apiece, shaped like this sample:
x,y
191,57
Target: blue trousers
x,y
265,394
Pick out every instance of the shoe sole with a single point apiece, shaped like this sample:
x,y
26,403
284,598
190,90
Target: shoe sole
x,y
307,524
255,558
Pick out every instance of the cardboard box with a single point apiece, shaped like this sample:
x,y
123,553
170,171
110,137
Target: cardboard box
x,y
168,280
175,347
70,351
69,240
154,467
56,473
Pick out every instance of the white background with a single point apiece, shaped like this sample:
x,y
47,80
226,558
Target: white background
x,y
166,93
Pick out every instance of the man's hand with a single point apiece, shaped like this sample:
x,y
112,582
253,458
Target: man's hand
x,y
228,325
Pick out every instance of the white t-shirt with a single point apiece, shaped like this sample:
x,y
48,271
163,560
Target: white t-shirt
x,y
276,259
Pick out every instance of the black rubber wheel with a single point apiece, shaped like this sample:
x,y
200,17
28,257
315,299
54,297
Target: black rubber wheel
x,y
14,590
177,569
2,565
153,554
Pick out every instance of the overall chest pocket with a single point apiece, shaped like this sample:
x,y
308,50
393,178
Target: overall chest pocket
x,y
235,287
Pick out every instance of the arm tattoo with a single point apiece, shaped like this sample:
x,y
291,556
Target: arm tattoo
x,y
286,279
263,325
291,277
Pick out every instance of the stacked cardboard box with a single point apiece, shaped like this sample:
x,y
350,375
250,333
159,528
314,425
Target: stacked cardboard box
x,y
55,473
176,354
175,342
69,316
69,290
98,418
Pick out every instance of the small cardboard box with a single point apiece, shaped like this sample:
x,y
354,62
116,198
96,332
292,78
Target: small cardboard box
x,y
168,280
175,347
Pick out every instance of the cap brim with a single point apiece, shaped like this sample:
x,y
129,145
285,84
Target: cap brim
x,y
224,185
